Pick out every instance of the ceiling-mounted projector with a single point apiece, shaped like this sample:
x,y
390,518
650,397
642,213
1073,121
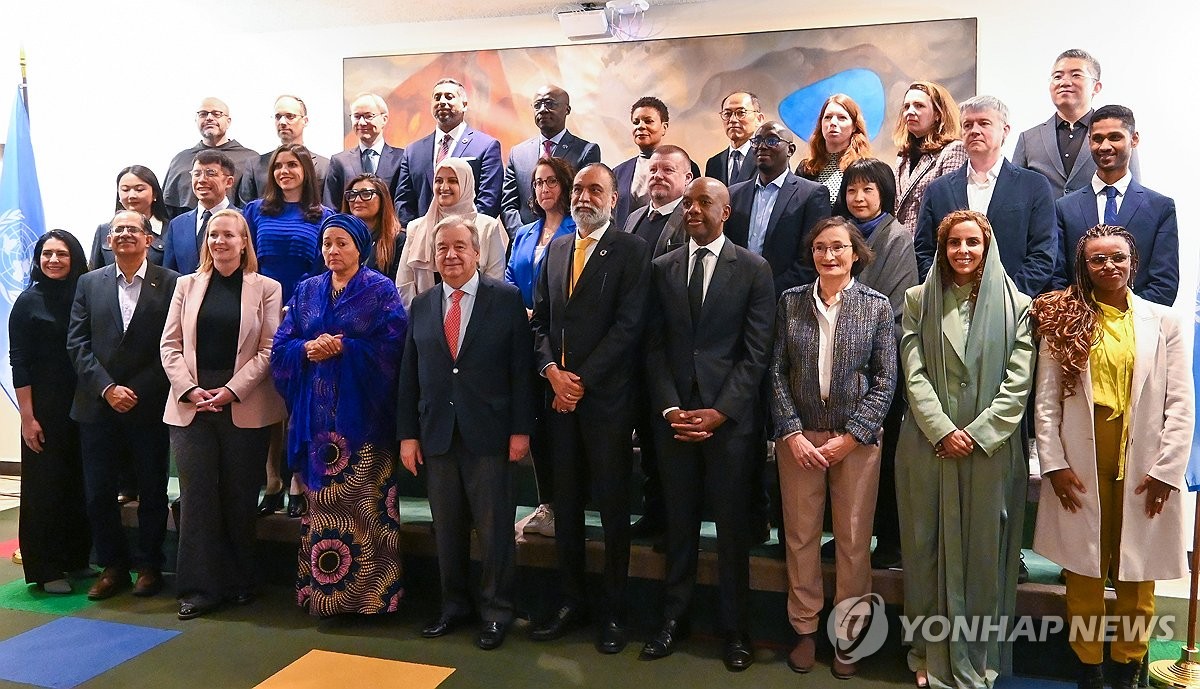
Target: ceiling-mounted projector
x,y
589,21
628,6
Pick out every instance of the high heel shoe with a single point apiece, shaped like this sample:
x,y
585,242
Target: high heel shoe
x,y
271,503
297,505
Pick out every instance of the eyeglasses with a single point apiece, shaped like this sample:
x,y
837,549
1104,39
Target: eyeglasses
x,y
769,141
125,229
832,249
205,114
740,113
545,104
1076,77
364,194
549,183
211,174
289,116
1100,260
364,116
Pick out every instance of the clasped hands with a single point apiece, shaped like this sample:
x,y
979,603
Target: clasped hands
x,y
411,455
568,389
210,400
956,445
120,398
1069,489
830,452
694,425
325,346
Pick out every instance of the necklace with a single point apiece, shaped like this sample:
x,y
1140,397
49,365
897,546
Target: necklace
x,y
337,292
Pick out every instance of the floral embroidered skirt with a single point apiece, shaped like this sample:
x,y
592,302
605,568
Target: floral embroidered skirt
x,y
349,559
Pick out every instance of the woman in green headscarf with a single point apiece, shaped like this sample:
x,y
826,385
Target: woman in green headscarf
x,y
961,471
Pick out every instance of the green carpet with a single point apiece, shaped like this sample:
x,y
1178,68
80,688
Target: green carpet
x,y
17,595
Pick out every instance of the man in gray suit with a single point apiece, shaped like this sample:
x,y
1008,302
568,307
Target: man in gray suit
x,y
291,118
740,114
551,105
1057,148
660,224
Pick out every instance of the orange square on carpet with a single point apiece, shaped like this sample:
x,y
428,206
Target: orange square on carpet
x,y
324,669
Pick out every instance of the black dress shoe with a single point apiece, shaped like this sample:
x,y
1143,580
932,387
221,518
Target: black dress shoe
x,y
738,654
647,527
1125,675
828,551
443,626
190,610
1091,677
297,505
271,503
567,619
885,556
663,643
491,635
611,639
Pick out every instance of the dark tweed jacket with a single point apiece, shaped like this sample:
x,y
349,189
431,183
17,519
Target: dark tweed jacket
x,y
864,365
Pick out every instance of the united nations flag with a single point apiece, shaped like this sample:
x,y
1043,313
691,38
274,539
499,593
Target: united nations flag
x,y
21,223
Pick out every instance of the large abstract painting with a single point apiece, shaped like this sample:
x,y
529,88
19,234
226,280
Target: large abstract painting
x,y
792,72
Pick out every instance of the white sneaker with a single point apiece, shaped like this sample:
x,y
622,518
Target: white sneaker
x,y
541,521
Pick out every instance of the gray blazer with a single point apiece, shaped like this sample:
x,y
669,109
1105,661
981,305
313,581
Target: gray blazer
x,y
518,174
1037,149
864,365
673,235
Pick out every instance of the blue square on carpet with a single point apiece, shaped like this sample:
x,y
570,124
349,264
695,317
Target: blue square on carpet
x,y
69,651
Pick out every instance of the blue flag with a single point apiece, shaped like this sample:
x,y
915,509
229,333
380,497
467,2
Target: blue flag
x,y
21,223
1193,468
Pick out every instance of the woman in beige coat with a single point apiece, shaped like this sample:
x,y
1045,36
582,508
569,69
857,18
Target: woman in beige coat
x,y
1114,413
216,350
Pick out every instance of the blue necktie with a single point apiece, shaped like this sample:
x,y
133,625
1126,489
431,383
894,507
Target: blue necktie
x,y
1110,205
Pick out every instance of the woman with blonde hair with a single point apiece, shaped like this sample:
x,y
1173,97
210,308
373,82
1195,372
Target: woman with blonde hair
x,y
838,139
930,140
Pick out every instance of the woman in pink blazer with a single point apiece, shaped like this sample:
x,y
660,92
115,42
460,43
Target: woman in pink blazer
x,y
216,348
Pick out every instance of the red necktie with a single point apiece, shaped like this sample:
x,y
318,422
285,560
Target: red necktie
x,y
454,322
444,149
547,149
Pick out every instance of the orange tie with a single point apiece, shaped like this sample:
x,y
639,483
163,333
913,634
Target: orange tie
x,y
580,258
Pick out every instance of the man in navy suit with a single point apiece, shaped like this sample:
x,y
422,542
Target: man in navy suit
x,y
1115,198
291,119
452,138
368,116
741,115
212,176
117,320
707,353
651,119
588,312
551,105
1056,148
1018,202
466,411
771,214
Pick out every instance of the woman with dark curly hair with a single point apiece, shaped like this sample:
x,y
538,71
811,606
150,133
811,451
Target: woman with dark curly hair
x,y
838,139
960,462
1114,364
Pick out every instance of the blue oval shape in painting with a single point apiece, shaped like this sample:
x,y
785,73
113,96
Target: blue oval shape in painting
x,y
800,109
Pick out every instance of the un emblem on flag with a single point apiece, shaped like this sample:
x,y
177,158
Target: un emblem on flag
x,y
15,239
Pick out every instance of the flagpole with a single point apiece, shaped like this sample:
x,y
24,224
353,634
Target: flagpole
x,y
24,82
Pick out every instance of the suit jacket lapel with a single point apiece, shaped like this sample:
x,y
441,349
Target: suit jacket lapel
x,y
151,285
1088,213
437,315
725,268
111,290
958,186
1130,204
479,316
909,179
1004,187
461,145
1049,138
1145,334
594,265
677,282
251,298
786,192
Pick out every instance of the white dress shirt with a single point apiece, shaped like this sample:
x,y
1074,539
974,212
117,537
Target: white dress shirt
x,y
224,203
980,187
438,135
827,316
710,261
1122,186
465,305
129,292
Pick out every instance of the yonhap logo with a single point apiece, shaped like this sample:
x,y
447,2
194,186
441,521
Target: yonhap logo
x,y
857,627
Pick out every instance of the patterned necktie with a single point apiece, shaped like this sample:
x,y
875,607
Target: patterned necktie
x,y
547,149
454,322
580,258
1110,205
204,218
696,285
368,161
444,149
735,165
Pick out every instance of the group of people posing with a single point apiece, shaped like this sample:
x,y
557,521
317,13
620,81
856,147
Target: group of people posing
x,y
898,332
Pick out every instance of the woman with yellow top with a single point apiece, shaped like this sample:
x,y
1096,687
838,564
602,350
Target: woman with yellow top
x,y
1117,364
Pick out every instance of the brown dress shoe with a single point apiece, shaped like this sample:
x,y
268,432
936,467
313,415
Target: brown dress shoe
x,y
149,583
843,669
110,582
802,658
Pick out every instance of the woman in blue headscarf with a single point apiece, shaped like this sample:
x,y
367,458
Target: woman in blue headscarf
x,y
335,360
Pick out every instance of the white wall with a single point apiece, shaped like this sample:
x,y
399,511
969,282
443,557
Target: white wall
x,y
114,84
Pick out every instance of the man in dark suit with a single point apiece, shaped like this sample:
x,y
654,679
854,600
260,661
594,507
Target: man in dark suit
x,y
551,105
706,358
369,116
466,411
772,214
291,118
741,115
1114,198
588,310
213,120
660,223
650,118
1056,148
117,320
212,176
451,138
1018,202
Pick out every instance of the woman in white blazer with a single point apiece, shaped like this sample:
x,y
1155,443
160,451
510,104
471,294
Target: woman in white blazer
x,y
216,348
1114,414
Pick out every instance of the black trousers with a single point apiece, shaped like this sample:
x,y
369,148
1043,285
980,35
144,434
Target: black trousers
x,y
466,490
593,455
53,529
105,444
887,520
220,469
718,473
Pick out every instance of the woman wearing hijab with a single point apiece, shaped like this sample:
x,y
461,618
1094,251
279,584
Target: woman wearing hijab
x,y
454,194
961,470
336,360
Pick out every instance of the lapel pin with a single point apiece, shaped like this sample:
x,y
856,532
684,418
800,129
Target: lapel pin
x,y
604,252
